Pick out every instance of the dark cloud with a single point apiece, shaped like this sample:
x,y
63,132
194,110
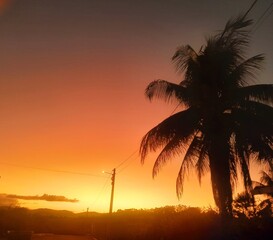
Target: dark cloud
x,y
45,197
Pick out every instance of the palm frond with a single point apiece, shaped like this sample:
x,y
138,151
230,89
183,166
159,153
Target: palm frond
x,y
258,109
180,125
246,174
257,117
232,167
236,24
260,93
236,32
266,179
173,148
202,164
183,57
244,165
193,150
166,91
257,184
186,165
251,117
195,156
264,152
254,134
246,70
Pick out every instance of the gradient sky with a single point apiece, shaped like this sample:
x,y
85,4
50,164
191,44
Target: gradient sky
x,y
72,81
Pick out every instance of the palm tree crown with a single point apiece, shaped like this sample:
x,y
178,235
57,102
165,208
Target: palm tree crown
x,y
266,184
223,121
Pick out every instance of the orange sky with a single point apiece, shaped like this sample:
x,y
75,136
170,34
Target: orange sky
x,y
72,81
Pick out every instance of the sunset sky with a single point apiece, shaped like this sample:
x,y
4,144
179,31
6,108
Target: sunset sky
x,y
72,104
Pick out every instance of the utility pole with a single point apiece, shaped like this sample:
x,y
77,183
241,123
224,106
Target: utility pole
x,y
113,188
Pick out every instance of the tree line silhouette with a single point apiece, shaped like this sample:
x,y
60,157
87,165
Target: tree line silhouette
x,y
168,223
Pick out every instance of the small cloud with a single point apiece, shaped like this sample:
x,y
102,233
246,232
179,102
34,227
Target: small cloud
x,y
45,197
6,201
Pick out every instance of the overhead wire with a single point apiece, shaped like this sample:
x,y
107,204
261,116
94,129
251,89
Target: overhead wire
x,y
127,159
53,170
130,156
262,18
126,166
104,188
175,108
250,8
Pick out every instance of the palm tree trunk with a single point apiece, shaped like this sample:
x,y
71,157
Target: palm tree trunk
x,y
220,176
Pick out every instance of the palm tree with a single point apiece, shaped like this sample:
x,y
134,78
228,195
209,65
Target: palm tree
x,y
244,205
265,186
223,120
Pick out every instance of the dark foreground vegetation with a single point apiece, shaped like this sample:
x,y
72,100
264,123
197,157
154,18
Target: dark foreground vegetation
x,y
166,223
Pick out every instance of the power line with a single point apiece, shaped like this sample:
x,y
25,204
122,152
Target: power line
x,y
53,170
104,188
130,156
250,8
176,108
121,170
262,18
127,159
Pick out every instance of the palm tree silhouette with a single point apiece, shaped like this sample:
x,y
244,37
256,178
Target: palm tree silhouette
x,y
223,121
265,186
245,205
